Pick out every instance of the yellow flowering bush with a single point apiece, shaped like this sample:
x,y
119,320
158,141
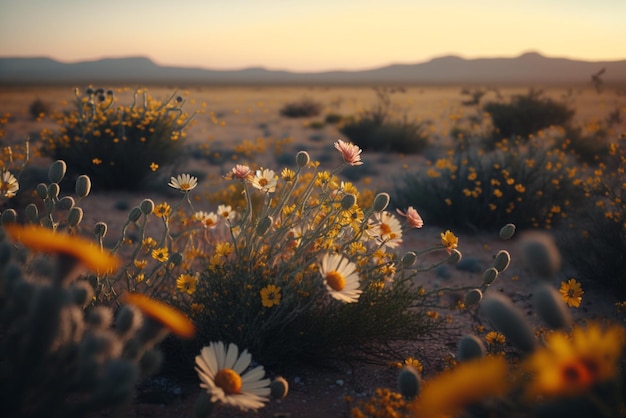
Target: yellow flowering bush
x,y
118,146
528,184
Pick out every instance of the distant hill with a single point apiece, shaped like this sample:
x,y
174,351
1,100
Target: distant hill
x,y
527,68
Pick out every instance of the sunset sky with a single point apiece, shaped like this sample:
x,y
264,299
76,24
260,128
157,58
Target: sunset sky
x,y
310,35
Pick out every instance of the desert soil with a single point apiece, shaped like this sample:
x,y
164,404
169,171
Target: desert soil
x,y
231,115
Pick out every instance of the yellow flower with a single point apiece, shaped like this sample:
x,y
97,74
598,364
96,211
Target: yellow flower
x,y
48,241
162,210
572,293
270,295
160,254
149,242
494,337
140,264
154,166
170,317
571,365
448,393
187,283
449,240
96,161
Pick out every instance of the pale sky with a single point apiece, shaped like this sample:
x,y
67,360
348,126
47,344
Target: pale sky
x,y
311,35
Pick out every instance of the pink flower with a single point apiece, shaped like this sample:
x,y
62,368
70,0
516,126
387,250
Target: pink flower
x,y
413,219
240,171
351,153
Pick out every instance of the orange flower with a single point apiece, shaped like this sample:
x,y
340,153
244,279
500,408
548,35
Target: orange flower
x,y
170,317
46,240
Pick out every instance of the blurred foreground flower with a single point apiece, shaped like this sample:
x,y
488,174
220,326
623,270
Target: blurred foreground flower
x,y
571,365
170,317
225,375
80,249
452,391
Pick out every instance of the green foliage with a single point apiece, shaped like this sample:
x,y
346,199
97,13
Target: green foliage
x,y
304,108
118,146
530,185
526,114
381,129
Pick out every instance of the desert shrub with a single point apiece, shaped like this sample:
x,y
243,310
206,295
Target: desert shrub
x,y
381,129
596,242
38,109
317,125
530,185
303,108
333,118
526,114
118,146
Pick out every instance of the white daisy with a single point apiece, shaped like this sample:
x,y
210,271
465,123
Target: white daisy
x,y
8,185
184,182
225,375
340,278
207,219
226,212
264,180
385,228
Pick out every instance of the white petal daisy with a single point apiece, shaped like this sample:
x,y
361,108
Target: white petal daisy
x,y
265,180
184,182
227,378
8,185
207,219
386,229
340,278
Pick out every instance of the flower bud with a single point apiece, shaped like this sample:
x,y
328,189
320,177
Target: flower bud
x,y
302,158
147,206
279,388
82,293
42,191
56,172
348,201
541,255
549,305
470,348
510,321
502,260
263,225
32,212
9,216
65,203
75,216
409,259
455,257
381,201
100,229
134,214
473,297
53,190
128,320
507,231
100,317
489,276
409,382
83,186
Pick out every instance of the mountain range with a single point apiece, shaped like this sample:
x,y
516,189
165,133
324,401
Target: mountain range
x,y
527,68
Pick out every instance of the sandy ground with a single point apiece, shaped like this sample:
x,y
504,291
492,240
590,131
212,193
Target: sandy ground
x,y
229,115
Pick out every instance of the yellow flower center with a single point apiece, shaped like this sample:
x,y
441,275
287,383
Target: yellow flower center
x,y
263,182
229,380
335,280
185,186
